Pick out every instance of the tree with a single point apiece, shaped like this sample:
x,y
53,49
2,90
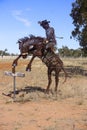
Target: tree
x,y
79,16
65,51
4,52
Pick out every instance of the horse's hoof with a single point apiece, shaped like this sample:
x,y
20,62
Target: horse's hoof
x,y
28,70
14,64
47,91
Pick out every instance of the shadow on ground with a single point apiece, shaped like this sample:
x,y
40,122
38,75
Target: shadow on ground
x,y
30,89
76,70
27,89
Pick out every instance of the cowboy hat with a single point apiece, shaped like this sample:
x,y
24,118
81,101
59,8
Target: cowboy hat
x,y
43,22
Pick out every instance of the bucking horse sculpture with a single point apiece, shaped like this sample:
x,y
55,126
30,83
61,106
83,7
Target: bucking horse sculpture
x,y
32,45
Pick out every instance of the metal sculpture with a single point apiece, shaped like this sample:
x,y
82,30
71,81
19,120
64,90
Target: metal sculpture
x,y
33,45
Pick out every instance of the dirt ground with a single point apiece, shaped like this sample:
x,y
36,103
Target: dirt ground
x,y
35,110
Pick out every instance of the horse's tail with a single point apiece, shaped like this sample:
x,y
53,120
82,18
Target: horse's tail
x,y
66,75
62,67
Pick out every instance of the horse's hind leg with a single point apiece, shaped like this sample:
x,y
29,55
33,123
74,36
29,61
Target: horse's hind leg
x,y
49,80
56,80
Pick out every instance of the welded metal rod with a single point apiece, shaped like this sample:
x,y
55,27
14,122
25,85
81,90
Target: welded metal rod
x,y
14,81
14,85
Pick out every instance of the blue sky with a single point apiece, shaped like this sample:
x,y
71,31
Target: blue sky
x,y
19,18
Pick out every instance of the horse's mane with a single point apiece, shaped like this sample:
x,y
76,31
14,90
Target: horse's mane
x,y
23,39
36,37
30,37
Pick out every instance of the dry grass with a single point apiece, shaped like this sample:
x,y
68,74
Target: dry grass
x,y
64,110
36,81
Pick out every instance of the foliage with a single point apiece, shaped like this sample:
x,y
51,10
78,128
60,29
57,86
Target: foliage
x,y
79,16
66,52
5,53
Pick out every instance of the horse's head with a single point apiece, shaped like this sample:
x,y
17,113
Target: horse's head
x,y
23,47
30,44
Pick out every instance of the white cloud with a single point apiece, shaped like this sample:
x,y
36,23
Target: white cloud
x,y
17,14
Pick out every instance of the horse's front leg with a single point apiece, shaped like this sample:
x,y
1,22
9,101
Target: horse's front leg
x,y
16,60
28,68
14,64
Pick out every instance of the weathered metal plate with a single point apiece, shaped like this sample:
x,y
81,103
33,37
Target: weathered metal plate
x,y
8,73
17,74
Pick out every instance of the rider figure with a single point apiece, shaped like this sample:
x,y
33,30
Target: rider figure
x,y
50,38
50,35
